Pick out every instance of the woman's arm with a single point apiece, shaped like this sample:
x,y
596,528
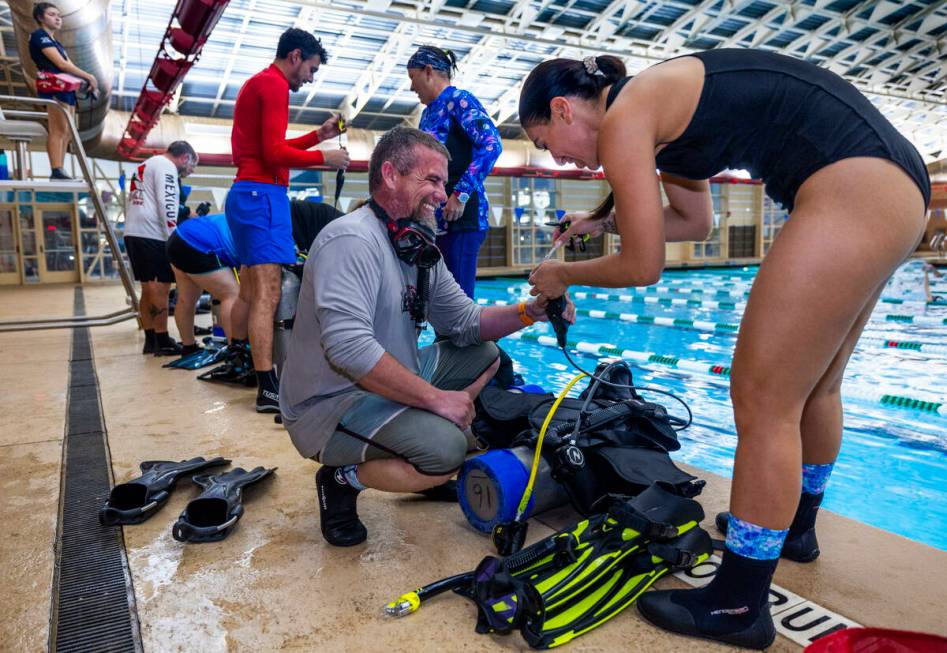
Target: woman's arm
x,y
689,214
68,67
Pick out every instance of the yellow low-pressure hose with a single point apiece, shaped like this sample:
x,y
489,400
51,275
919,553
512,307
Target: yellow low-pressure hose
x,y
528,492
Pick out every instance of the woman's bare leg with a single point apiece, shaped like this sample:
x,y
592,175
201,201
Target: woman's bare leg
x,y
854,222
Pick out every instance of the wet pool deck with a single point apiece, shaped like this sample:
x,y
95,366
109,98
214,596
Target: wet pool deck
x,y
274,584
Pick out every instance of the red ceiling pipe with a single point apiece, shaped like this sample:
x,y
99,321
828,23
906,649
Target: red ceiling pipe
x,y
188,29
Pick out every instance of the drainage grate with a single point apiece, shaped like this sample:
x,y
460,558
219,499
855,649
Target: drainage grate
x,y
93,603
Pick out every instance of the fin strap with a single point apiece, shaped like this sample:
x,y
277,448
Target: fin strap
x,y
629,517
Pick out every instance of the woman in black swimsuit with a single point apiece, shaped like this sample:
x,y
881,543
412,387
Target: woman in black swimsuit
x,y
857,193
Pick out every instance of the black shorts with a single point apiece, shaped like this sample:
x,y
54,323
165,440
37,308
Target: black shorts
x,y
189,259
148,259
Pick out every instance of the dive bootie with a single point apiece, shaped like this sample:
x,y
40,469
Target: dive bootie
x,y
165,345
149,346
211,516
338,516
733,608
801,544
135,501
267,393
446,492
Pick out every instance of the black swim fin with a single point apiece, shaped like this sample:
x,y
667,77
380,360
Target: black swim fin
x,y
135,501
212,515
237,368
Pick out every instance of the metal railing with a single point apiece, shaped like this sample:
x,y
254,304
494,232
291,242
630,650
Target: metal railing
x,y
89,179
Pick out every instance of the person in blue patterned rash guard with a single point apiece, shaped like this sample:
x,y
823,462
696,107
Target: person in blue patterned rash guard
x,y
458,120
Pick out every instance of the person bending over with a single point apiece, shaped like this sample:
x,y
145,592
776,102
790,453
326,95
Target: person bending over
x,y
202,254
851,183
50,57
203,257
257,206
356,393
151,216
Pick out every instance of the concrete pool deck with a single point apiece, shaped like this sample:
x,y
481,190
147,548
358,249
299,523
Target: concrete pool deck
x,y
274,584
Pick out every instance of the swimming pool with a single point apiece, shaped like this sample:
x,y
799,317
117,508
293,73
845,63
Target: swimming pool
x,y
892,469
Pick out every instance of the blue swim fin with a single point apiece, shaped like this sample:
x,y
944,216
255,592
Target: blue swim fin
x,y
208,357
180,361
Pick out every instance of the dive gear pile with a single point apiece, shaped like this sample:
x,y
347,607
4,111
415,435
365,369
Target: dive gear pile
x,y
208,518
571,582
607,441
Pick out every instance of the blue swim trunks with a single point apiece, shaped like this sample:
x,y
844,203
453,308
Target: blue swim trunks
x,y
259,219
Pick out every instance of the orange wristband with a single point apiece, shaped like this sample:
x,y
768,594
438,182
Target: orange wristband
x,y
524,318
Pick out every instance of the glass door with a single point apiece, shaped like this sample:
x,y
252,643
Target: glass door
x,y
58,246
9,261
47,245
29,248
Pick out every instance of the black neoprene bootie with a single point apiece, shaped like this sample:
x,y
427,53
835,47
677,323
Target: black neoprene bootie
x,y
446,492
267,394
801,544
732,609
165,345
338,517
149,347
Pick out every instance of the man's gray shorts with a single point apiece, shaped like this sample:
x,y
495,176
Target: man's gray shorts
x,y
432,444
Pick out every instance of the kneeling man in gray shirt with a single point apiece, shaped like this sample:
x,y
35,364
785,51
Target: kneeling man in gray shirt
x,y
356,392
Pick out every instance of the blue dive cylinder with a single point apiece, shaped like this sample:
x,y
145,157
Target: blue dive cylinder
x,y
489,487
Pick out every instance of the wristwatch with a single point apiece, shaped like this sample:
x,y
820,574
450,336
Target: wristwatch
x,y
462,197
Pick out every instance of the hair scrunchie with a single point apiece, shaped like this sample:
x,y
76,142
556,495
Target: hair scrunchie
x,y
591,67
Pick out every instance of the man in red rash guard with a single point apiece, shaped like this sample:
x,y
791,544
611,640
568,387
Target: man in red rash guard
x,y
257,205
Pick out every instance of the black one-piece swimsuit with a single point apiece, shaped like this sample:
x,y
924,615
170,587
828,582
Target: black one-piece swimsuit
x,y
781,119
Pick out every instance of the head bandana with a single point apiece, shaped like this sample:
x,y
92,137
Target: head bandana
x,y
430,56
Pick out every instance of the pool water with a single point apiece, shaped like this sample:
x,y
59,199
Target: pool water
x,y
892,469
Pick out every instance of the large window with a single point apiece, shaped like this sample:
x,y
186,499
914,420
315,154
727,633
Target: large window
x,y
774,217
710,248
535,202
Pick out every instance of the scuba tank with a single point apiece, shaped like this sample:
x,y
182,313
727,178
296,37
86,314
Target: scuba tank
x,y
285,312
607,441
490,486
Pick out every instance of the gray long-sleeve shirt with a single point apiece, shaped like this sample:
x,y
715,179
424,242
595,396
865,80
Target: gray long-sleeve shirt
x,y
350,312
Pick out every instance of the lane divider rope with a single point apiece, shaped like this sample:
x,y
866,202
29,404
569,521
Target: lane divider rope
x,y
722,327
644,359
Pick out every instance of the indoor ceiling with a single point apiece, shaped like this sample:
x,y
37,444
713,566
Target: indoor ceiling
x,y
895,52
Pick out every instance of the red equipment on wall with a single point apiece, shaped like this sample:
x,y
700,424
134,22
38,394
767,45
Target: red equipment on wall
x,y
187,32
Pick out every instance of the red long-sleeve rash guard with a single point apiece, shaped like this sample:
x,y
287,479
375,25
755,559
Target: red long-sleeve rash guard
x,y
258,139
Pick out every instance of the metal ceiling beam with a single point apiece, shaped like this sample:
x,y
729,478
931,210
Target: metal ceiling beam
x,y
225,78
377,71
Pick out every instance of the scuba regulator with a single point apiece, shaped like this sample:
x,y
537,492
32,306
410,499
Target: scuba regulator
x,y
509,537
